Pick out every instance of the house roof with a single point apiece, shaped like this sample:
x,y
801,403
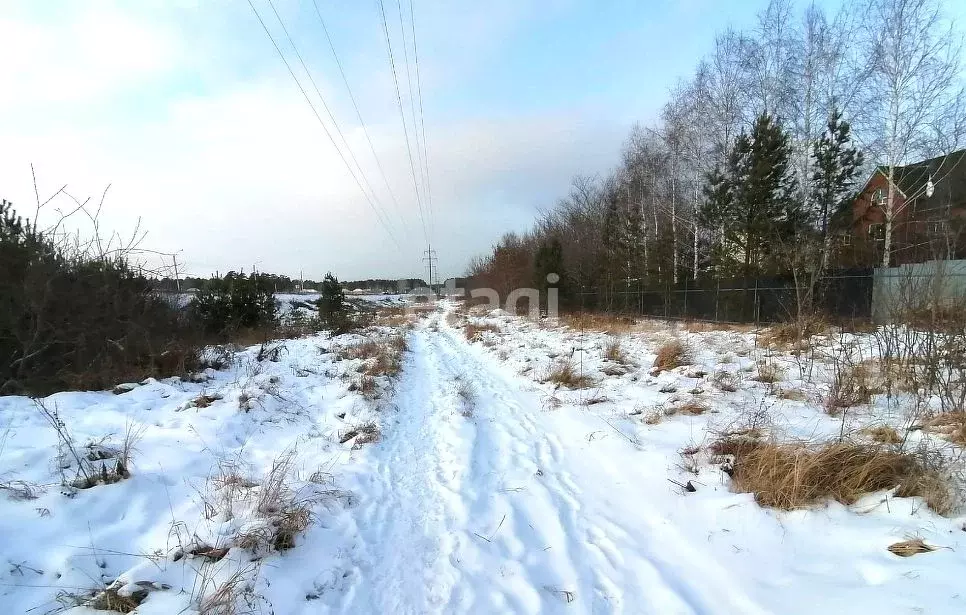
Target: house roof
x,y
948,174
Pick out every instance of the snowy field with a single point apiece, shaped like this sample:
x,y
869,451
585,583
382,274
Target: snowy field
x,y
351,475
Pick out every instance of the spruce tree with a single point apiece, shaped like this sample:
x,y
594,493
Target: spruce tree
x,y
333,308
837,165
752,202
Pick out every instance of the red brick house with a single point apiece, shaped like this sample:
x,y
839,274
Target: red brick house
x,y
930,219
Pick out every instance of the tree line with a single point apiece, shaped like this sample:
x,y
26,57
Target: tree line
x,y
753,161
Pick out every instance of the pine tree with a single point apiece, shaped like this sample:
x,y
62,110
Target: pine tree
x,y
752,202
837,164
333,308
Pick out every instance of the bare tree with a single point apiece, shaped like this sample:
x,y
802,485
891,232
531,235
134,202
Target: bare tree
x,y
913,57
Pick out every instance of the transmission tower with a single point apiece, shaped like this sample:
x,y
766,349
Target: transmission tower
x,y
433,263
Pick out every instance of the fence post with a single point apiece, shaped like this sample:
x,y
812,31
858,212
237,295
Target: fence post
x,y
685,315
756,306
717,293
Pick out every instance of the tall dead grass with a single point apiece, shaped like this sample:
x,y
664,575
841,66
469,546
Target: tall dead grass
x,y
474,331
564,373
673,353
797,475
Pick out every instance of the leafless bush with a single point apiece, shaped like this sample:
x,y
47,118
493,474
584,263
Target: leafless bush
x,y
851,386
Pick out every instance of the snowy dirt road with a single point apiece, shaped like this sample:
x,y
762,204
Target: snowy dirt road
x,y
487,501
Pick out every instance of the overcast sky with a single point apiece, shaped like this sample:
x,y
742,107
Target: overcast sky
x,y
186,110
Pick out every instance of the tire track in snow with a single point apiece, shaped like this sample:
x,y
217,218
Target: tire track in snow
x,y
490,514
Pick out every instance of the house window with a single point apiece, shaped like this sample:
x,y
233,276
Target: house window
x,y
879,197
877,231
937,228
846,239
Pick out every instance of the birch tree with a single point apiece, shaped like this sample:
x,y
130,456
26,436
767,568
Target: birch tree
x,y
913,58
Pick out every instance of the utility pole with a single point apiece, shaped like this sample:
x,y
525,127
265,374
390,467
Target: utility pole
x,y
177,278
430,259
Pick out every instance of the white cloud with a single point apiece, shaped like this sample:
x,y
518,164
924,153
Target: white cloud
x,y
240,172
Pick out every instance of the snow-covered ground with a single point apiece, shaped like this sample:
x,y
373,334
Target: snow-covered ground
x,y
487,489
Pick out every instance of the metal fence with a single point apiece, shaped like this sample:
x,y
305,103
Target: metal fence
x,y
845,294
909,288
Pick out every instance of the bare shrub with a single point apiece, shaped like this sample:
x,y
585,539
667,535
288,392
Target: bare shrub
x,y
673,353
564,373
796,475
851,386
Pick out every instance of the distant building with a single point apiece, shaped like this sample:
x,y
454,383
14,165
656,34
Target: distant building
x,y
930,214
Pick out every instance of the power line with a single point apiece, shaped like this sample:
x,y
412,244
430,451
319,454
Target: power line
x,y
325,106
412,105
402,115
422,122
322,123
355,105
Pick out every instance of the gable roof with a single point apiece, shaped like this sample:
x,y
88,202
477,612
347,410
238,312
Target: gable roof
x,y
948,174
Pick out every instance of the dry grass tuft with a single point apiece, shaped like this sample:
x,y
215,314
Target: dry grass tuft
x,y
111,600
769,373
908,548
225,598
605,323
474,331
949,425
883,434
791,334
597,397
692,408
796,475
792,394
380,357
725,380
673,353
563,373
614,352
365,433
